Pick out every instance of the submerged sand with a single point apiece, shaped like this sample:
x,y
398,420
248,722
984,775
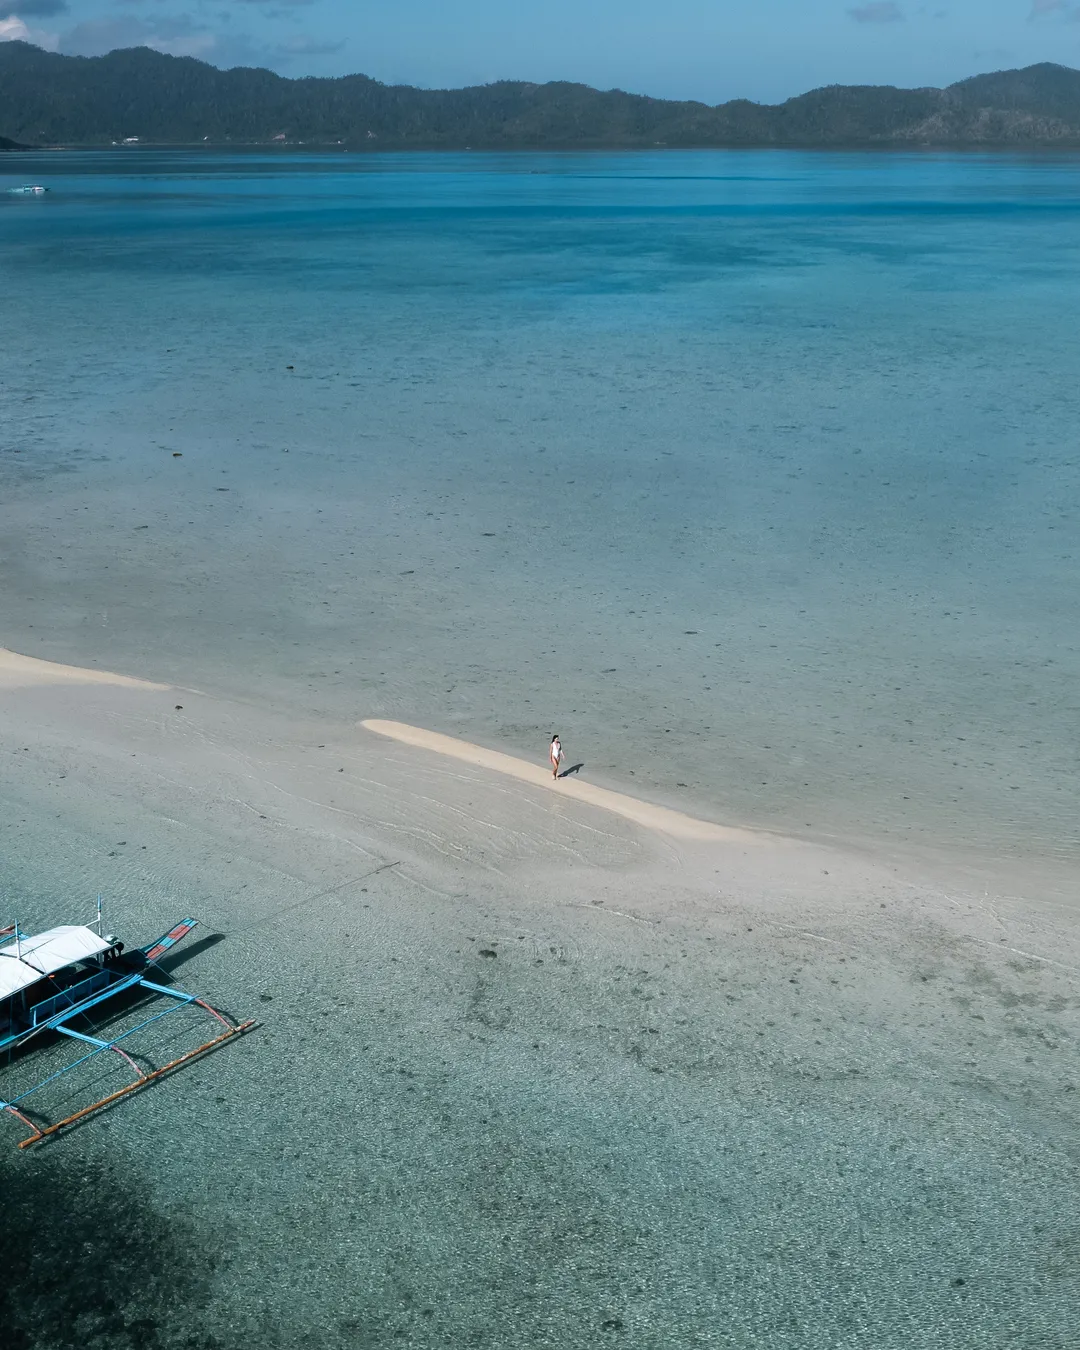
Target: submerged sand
x,y
538,1064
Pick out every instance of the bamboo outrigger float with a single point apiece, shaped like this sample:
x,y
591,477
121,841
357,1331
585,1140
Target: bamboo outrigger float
x,y
72,974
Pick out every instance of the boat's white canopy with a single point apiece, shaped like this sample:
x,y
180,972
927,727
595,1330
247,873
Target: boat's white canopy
x,y
23,963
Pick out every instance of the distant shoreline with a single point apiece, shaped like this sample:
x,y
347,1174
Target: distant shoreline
x,y
1063,150
50,99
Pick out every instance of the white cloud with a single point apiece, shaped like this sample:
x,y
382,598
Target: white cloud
x,y
13,29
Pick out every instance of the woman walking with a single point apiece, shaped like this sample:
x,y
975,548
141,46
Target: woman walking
x,y
555,755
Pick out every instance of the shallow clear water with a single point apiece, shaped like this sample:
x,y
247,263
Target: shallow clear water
x,y
753,474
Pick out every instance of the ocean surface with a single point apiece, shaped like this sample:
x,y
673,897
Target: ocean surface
x,y
752,474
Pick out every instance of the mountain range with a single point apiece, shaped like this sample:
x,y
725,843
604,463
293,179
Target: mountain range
x,y
49,99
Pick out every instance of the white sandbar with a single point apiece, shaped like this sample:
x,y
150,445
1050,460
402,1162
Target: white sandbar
x,y
27,672
661,818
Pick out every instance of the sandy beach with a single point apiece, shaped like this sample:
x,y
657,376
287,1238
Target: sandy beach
x,y
537,1064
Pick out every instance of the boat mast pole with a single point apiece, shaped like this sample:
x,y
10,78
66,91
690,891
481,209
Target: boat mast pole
x,y
99,915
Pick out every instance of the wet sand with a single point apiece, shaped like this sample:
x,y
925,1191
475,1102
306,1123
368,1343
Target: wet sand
x,y
528,1071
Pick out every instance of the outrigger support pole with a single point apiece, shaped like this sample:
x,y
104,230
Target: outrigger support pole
x,y
43,1131
101,1045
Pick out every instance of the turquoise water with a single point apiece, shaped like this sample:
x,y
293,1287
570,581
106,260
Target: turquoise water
x,y
753,474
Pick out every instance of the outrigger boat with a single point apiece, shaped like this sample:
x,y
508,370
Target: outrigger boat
x,y
76,974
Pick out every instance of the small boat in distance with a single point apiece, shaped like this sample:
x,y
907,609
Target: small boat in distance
x,y
75,973
27,190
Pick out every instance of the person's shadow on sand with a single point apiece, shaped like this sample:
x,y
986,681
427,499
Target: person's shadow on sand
x,y
574,768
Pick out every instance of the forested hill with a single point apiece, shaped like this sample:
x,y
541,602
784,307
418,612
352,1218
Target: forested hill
x,y
47,99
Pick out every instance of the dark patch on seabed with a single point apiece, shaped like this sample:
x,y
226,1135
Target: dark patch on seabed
x,y
87,1263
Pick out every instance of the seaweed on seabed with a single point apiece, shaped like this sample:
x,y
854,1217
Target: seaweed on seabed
x,y
87,1263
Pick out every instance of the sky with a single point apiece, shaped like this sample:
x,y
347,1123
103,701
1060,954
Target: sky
x,y
711,50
